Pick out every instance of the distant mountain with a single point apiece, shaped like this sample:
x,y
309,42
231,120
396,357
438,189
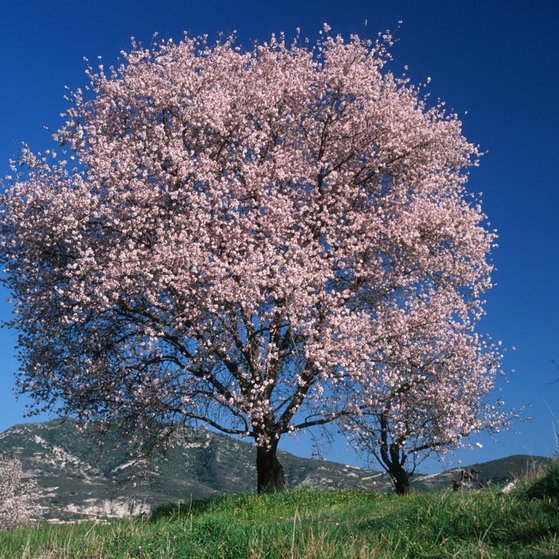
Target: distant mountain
x,y
495,472
90,476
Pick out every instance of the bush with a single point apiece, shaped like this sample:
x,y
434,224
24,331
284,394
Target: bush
x,y
546,485
18,498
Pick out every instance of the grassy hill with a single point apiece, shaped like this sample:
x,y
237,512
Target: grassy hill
x,y
89,476
312,524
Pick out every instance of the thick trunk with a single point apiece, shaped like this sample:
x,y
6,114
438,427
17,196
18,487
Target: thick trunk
x,y
401,479
393,457
270,472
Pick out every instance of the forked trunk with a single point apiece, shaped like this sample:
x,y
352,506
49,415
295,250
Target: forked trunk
x,y
401,479
271,476
393,457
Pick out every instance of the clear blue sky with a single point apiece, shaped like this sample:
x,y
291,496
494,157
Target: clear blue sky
x,y
495,62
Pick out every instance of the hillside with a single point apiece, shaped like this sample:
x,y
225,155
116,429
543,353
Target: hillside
x,y
91,475
85,476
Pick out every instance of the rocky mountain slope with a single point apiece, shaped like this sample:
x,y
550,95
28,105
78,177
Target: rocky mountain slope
x,y
91,476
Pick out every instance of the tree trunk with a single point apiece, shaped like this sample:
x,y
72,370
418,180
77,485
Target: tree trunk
x,y
401,479
270,472
393,457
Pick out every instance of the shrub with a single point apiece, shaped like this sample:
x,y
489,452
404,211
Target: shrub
x,y
546,485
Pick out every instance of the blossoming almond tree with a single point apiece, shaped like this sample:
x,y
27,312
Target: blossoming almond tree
x,y
241,238
433,390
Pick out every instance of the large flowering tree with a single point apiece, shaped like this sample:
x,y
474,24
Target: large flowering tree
x,y
245,238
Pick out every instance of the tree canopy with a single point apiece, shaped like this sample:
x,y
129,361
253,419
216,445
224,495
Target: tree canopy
x,y
261,240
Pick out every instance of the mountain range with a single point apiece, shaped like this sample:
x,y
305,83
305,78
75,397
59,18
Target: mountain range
x,y
89,475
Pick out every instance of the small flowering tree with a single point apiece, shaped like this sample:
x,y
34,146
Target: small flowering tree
x,y
18,498
433,391
241,238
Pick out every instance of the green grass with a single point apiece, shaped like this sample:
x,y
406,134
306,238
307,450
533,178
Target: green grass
x,y
312,524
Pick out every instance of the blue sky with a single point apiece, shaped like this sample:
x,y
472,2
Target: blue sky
x,y
494,61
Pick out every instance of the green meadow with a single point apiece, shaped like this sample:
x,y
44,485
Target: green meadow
x,y
483,524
